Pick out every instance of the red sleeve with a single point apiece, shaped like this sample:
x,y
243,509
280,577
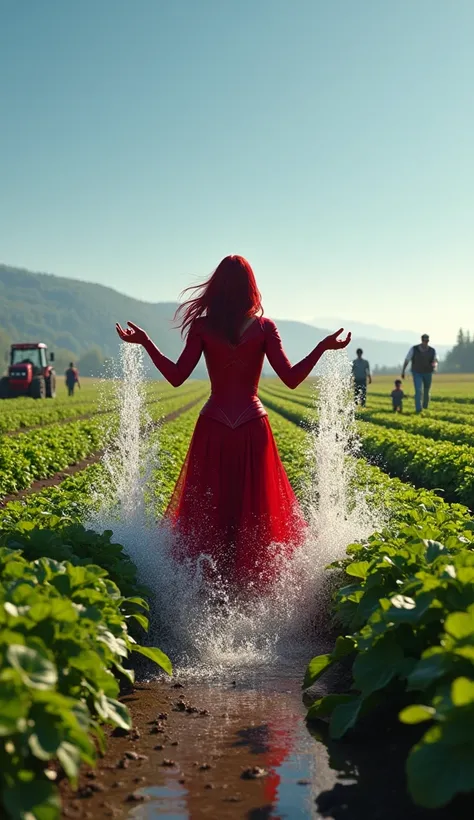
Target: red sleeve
x,y
177,373
290,375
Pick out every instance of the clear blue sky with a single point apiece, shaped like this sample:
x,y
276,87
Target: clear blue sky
x,y
329,141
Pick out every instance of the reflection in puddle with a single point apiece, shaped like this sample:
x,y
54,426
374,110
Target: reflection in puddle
x,y
256,722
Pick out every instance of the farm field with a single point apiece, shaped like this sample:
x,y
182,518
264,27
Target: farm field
x,y
74,611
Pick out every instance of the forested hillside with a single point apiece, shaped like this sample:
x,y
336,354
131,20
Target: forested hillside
x,y
77,320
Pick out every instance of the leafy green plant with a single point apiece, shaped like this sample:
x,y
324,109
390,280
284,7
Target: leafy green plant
x,y
409,609
63,639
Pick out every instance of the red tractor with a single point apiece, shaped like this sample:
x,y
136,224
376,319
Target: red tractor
x,y
29,373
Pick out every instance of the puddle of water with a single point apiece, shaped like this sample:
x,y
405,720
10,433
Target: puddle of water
x,y
256,720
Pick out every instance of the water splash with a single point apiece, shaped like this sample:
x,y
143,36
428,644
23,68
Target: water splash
x,y
203,628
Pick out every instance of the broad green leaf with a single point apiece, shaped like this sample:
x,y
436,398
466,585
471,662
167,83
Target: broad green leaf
x,y
325,706
116,645
416,713
112,711
427,670
70,759
315,669
36,800
345,644
155,655
128,673
433,550
462,692
437,771
375,668
63,611
358,569
344,717
141,619
460,624
36,671
138,601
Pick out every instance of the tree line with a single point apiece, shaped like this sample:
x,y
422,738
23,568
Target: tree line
x,y
461,358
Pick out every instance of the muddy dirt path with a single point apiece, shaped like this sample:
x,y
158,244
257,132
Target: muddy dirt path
x,y
213,749
237,747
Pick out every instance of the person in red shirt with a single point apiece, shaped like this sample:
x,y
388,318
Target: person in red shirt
x,y
233,500
72,378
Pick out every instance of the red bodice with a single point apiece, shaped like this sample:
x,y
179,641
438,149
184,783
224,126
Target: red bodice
x,y
234,370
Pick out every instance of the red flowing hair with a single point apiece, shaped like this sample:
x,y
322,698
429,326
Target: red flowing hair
x,y
227,299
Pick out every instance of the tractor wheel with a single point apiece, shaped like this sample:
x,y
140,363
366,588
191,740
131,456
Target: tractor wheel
x,y
51,386
4,388
38,388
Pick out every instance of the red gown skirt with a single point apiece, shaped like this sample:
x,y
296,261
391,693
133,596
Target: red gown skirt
x,y
234,503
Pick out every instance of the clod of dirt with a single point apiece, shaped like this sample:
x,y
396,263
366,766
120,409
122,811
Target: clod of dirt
x,y
135,734
177,686
97,787
136,797
139,779
192,710
163,716
204,767
91,775
118,784
209,786
123,764
204,712
167,762
159,748
181,780
254,773
175,743
180,706
85,791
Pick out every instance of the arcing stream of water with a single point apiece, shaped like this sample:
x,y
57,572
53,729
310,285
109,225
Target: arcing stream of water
x,y
262,644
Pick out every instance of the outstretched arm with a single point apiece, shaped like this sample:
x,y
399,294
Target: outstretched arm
x,y
293,375
174,372
407,361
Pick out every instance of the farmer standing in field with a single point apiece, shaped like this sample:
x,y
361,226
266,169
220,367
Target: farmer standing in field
x,y
72,378
424,361
361,374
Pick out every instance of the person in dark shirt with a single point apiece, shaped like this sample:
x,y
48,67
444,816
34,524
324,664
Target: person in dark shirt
x,y
72,378
397,397
361,375
424,362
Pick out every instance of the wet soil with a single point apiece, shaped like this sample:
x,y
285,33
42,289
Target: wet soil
x,y
209,749
94,458
241,749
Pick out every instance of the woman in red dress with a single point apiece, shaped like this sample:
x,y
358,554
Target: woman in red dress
x,y
233,501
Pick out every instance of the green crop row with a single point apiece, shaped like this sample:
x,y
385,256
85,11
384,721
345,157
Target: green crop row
x,y
407,620
407,614
43,414
436,465
70,501
41,453
422,426
64,646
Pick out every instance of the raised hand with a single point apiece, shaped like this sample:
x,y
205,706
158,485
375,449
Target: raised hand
x,y
132,334
331,342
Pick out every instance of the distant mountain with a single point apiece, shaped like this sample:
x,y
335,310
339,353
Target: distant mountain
x,y
379,333
75,316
